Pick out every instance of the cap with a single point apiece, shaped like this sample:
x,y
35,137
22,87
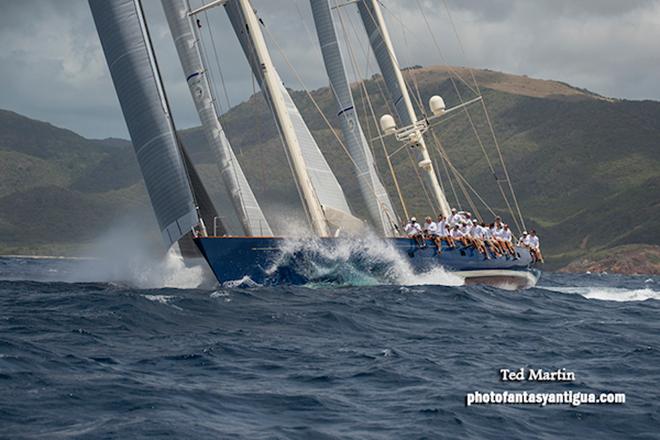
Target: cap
x,y
413,219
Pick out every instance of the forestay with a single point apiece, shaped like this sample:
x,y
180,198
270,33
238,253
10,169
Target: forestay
x,y
122,30
187,41
373,191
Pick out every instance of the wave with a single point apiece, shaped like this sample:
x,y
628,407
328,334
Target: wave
x,y
609,293
353,261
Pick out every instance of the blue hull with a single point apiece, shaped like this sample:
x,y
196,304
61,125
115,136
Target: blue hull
x,y
273,260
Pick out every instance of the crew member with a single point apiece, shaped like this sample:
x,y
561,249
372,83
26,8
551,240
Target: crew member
x,y
454,218
414,230
507,238
457,234
535,246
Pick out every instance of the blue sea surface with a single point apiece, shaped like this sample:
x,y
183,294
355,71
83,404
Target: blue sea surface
x,y
105,360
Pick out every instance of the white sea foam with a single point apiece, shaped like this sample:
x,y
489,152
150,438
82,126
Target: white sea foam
x,y
163,299
123,256
170,271
246,281
609,293
365,260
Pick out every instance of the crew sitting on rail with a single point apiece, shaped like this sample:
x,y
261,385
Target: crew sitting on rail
x,y
534,246
442,225
457,234
495,238
489,240
448,237
430,229
414,230
432,232
454,218
503,237
477,236
507,237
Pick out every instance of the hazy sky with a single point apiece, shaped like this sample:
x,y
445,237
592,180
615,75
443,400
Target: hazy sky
x,y
52,67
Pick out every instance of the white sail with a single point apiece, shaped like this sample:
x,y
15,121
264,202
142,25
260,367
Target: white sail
x,y
123,33
374,24
373,191
318,185
187,41
323,179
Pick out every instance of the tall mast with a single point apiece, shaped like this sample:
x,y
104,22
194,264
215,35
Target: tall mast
x,y
379,37
124,37
187,40
373,191
279,107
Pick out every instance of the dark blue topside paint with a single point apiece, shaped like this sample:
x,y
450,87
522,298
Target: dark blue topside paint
x,y
233,258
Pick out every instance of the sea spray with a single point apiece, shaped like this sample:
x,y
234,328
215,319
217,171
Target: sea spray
x,y
352,260
126,256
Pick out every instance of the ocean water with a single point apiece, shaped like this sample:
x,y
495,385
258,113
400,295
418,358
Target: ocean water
x,y
152,353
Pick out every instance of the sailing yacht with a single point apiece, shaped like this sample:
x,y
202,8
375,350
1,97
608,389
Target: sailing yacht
x,y
184,210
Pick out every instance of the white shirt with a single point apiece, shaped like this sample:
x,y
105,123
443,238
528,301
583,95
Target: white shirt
x,y
431,228
488,234
413,229
505,235
455,219
533,242
456,233
441,226
523,240
497,233
477,231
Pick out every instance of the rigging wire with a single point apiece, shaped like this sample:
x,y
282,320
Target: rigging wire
x,y
477,90
450,68
444,165
367,101
213,90
217,60
209,71
490,124
410,72
421,181
316,105
461,178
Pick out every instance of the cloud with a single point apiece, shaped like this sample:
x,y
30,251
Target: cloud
x,y
52,67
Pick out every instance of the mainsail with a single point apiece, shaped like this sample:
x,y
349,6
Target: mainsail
x,y
319,187
187,40
122,30
374,24
373,191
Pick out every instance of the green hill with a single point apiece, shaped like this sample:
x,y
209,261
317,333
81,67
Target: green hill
x,y
586,168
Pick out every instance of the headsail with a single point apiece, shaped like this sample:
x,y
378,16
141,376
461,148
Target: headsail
x,y
187,40
374,24
318,185
122,30
373,191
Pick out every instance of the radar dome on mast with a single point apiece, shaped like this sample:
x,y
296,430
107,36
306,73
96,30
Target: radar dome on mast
x,y
437,105
387,124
